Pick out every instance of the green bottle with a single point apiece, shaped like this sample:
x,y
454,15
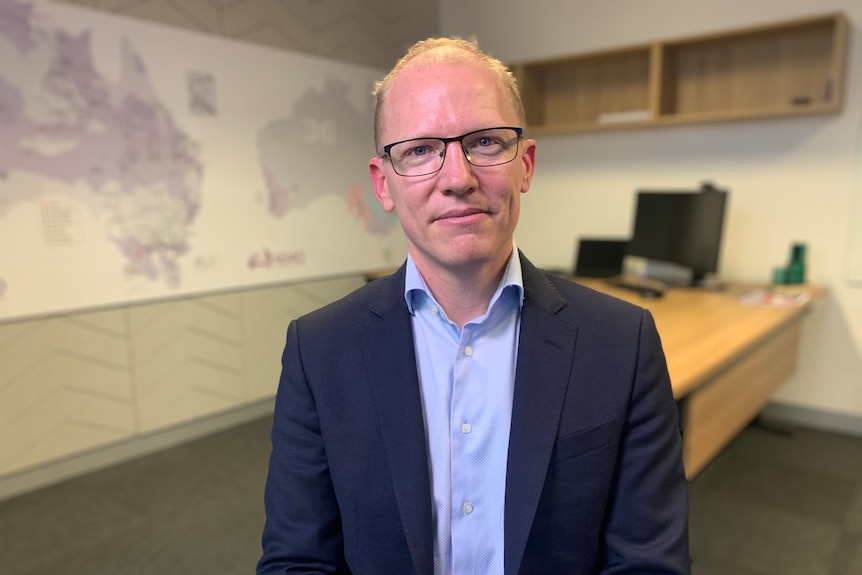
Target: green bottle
x,y
796,267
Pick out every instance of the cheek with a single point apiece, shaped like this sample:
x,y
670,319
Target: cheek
x,y
508,190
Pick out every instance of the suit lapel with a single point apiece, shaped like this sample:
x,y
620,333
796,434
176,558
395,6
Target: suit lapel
x,y
545,355
392,373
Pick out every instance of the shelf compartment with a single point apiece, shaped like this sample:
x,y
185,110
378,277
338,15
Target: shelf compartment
x,y
781,69
581,91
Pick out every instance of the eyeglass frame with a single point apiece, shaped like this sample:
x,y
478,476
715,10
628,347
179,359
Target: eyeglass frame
x,y
519,134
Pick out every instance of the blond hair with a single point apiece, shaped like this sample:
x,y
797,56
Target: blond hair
x,y
446,50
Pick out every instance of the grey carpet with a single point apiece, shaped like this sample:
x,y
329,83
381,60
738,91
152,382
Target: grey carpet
x,y
770,504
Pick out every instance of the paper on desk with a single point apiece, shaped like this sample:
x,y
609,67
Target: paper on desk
x,y
775,298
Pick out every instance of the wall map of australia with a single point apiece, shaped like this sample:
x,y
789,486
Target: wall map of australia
x,y
116,187
64,121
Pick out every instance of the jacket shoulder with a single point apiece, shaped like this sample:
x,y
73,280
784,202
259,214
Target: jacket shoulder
x,y
358,306
584,303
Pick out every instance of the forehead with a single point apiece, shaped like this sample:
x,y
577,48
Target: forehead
x,y
445,97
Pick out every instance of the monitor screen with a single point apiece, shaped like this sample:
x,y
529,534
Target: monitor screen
x,y
683,228
600,257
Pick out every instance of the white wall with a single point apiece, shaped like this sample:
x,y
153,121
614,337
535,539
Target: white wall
x,y
791,179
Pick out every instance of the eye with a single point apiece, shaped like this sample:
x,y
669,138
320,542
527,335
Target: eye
x,y
416,150
485,143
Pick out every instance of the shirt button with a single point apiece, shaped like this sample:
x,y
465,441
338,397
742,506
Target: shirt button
x,y
434,309
467,507
466,427
468,351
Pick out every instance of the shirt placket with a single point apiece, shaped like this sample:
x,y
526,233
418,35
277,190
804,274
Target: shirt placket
x,y
466,497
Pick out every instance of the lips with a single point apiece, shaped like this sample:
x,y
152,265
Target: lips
x,y
459,213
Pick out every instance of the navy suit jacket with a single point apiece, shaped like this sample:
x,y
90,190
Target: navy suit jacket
x,y
594,482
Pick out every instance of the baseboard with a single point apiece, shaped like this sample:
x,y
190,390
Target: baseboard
x,y
814,418
31,479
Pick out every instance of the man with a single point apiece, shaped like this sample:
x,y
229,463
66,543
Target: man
x,y
470,414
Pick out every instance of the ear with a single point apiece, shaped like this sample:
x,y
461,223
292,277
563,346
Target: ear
x,y
378,181
528,157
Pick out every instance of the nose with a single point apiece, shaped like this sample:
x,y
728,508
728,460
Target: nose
x,y
456,174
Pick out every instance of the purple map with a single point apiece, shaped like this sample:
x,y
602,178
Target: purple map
x,y
62,120
294,152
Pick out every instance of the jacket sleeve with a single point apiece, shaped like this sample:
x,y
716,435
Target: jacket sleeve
x,y
303,531
647,518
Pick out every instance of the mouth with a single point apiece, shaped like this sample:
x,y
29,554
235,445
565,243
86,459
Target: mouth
x,y
460,216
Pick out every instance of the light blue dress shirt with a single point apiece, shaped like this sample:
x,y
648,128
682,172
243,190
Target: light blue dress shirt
x,y
467,380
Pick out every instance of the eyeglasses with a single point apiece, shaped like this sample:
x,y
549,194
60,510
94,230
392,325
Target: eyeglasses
x,y
482,148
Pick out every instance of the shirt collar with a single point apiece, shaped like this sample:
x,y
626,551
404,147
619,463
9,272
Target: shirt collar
x,y
414,282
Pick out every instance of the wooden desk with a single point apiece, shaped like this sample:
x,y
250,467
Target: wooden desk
x,y
725,359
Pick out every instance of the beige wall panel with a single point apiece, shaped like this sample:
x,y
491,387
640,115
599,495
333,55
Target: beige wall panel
x,y
311,295
111,321
182,345
268,23
195,14
57,414
62,439
156,326
62,372
60,376
21,394
349,40
301,10
350,31
328,11
266,315
407,22
44,339
277,35
370,32
10,332
187,391
187,359
270,34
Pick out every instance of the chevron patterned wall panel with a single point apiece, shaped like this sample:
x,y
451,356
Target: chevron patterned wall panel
x,y
265,316
187,359
65,386
371,32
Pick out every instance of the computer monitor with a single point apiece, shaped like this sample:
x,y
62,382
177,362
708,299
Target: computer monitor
x,y
600,257
682,228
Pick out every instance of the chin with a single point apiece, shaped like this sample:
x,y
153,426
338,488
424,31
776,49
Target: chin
x,y
471,256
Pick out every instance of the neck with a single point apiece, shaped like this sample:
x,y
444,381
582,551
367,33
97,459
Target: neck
x,y
463,293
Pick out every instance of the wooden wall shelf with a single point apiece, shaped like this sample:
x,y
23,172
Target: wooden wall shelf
x,y
785,69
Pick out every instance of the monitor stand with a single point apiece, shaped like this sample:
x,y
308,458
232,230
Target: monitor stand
x,y
646,287
666,272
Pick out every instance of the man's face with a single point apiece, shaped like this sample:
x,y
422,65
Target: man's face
x,y
462,217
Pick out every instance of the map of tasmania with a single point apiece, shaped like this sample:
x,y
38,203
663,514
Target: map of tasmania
x,y
314,140
62,120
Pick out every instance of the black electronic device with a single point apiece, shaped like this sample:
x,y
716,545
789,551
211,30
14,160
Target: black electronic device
x,y
645,287
681,228
600,257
